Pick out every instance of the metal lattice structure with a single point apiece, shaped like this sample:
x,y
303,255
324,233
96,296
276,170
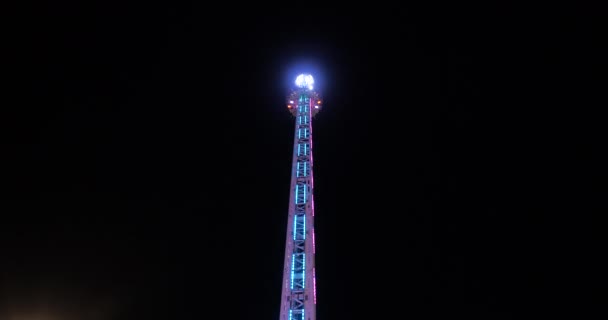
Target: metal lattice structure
x,y
298,299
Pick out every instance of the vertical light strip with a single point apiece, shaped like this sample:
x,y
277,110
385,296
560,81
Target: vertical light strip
x,y
297,185
314,286
304,229
293,264
303,270
313,240
295,226
312,205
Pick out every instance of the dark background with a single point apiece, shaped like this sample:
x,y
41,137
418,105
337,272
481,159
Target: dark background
x,y
456,160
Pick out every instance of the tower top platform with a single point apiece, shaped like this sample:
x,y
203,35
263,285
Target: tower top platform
x,y
304,95
308,98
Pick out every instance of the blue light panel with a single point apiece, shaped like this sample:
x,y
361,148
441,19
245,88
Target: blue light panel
x,y
303,133
302,169
299,227
303,149
301,193
298,315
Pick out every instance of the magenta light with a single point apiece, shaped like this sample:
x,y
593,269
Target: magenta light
x,y
313,240
312,177
314,286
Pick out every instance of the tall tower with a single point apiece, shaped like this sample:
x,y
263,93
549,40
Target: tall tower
x,y
298,299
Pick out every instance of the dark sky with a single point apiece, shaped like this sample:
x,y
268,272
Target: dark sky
x,y
149,157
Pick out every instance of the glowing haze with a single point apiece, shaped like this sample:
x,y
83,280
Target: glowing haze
x,y
305,80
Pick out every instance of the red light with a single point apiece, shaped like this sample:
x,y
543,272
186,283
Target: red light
x,y
319,101
289,106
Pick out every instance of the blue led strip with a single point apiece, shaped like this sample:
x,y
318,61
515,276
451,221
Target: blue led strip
x,y
299,315
301,193
297,271
302,169
304,227
295,227
303,149
293,265
303,119
299,227
303,270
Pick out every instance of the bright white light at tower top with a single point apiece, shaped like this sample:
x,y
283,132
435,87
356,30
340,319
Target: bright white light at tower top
x,y
305,81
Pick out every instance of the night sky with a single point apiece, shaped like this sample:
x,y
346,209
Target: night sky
x,y
149,154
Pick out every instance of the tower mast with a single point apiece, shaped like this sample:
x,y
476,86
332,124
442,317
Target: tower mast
x,y
298,298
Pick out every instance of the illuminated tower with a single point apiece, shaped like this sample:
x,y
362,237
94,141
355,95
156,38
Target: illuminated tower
x,y
298,297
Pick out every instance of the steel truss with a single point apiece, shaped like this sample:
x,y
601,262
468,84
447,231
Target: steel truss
x,y
298,299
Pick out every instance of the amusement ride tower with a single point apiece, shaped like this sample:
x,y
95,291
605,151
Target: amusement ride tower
x,y
298,299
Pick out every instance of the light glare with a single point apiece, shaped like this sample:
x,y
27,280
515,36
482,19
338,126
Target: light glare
x,y
305,80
